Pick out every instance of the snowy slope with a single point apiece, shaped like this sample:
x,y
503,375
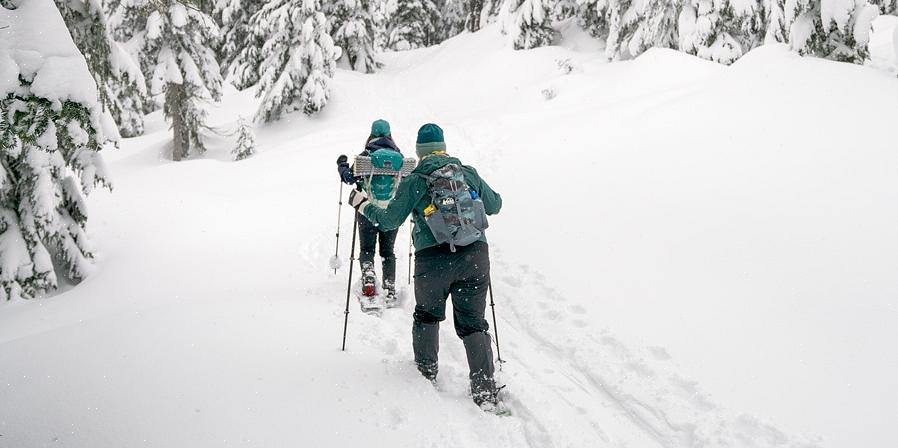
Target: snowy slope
x,y
688,255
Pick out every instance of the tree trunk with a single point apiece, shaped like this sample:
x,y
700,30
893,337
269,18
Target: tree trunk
x,y
181,137
473,10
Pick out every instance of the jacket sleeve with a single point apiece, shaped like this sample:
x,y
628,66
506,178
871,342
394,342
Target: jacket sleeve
x,y
492,201
408,194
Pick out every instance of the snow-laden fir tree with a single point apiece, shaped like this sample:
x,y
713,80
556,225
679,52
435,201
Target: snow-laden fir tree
x,y
529,23
246,141
178,41
722,30
452,18
127,20
52,128
355,26
239,52
833,29
634,27
473,10
414,24
120,82
299,58
776,21
592,17
889,7
622,17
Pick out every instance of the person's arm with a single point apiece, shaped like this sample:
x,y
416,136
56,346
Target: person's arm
x,y
411,189
344,170
492,201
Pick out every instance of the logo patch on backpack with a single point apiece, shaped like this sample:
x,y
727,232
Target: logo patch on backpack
x,y
456,214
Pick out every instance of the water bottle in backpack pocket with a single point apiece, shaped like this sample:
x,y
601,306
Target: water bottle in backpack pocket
x,y
456,214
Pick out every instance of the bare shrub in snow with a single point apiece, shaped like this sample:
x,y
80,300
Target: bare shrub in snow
x,y
549,93
565,66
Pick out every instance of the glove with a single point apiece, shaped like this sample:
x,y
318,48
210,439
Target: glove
x,y
342,160
358,199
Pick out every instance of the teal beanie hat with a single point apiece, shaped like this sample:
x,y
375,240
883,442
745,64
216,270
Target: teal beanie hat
x,y
430,140
380,128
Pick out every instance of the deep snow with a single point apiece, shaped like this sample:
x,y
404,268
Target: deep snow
x,y
689,255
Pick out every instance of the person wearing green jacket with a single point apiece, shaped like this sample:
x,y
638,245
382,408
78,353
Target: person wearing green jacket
x,y
440,271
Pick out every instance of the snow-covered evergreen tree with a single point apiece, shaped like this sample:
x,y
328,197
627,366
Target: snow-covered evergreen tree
x,y
415,24
239,52
621,18
127,21
836,29
52,128
452,14
530,23
299,58
889,7
776,21
246,141
633,27
178,40
722,30
121,85
592,17
354,26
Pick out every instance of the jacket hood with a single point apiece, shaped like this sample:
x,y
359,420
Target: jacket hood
x,y
381,143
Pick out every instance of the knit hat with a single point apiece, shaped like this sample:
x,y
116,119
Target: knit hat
x,y
380,128
430,140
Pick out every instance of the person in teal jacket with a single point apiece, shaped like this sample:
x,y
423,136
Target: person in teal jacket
x,y
439,271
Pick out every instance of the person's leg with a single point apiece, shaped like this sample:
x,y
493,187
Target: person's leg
x,y
388,256
367,242
431,291
469,308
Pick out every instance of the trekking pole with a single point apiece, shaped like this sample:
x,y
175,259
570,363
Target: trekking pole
x,y
355,228
495,328
411,230
337,249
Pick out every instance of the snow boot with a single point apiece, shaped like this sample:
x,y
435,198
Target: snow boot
x,y
369,279
390,299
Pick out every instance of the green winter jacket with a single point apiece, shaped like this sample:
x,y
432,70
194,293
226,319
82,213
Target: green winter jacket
x,y
412,197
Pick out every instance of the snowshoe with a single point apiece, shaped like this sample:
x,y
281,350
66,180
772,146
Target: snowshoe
x,y
371,305
498,408
369,279
391,300
491,401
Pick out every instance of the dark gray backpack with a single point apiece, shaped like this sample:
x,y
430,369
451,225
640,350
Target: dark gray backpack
x,y
456,214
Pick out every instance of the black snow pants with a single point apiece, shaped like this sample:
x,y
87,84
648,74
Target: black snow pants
x,y
369,234
465,275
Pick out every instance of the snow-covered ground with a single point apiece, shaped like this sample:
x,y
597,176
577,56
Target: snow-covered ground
x,y
689,255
